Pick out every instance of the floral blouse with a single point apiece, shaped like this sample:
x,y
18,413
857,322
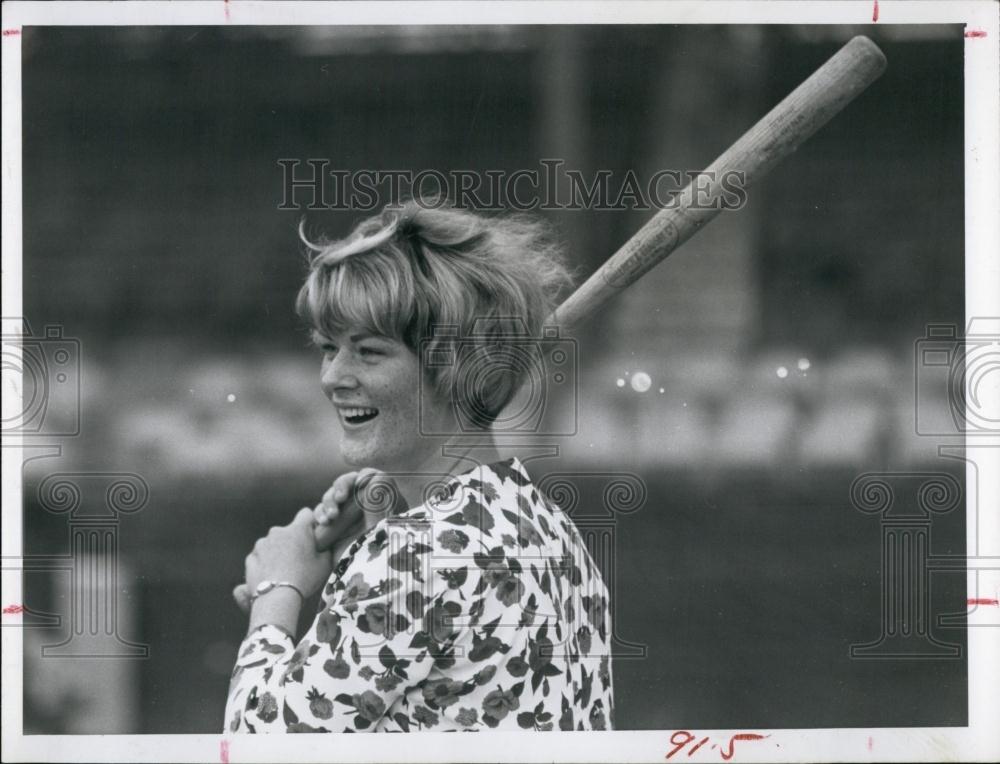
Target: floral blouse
x,y
480,608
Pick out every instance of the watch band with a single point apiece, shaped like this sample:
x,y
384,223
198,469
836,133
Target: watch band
x,y
269,586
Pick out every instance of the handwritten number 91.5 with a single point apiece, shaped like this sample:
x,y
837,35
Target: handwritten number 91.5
x,y
682,737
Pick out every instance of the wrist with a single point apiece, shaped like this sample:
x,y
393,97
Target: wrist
x,y
278,607
269,585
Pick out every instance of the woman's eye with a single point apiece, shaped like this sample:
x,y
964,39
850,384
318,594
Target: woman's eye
x,y
328,349
371,352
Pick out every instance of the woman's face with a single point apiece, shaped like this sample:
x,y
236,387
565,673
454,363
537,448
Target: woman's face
x,y
374,384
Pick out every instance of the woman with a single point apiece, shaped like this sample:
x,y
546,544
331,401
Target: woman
x,y
473,605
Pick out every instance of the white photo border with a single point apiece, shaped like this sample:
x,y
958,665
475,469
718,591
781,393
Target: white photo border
x,y
979,741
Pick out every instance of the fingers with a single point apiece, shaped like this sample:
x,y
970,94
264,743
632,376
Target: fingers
x,y
340,493
326,537
334,499
303,517
324,515
341,488
344,523
340,512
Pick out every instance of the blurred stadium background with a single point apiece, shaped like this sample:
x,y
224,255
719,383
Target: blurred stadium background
x,y
782,337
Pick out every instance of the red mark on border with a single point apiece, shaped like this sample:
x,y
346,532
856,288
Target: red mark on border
x,y
13,609
224,751
14,32
982,601
970,33
871,743
225,4
875,12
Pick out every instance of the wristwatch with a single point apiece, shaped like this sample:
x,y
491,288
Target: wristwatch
x,y
267,586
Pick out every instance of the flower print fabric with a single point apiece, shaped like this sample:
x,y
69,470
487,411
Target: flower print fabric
x,y
481,609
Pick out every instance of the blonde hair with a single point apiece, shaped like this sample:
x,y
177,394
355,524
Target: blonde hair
x,y
442,280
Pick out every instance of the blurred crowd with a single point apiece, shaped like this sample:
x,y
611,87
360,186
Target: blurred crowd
x,y
779,410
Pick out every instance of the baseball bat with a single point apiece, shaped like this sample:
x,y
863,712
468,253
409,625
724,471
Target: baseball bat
x,y
779,133
804,111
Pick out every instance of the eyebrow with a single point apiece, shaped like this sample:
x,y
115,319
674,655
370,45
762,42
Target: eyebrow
x,y
319,338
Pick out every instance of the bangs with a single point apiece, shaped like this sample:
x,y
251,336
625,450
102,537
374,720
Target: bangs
x,y
374,293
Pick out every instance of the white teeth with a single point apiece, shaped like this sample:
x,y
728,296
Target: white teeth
x,y
358,412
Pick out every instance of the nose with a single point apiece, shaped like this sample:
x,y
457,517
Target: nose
x,y
338,373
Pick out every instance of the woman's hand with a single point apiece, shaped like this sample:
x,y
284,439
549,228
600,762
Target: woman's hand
x,y
355,503
289,553
339,518
338,497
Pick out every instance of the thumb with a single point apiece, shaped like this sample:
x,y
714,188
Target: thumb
x,y
241,594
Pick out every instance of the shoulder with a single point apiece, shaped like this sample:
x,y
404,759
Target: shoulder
x,y
489,506
490,512
493,487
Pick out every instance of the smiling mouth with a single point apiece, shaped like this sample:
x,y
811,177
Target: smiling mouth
x,y
360,415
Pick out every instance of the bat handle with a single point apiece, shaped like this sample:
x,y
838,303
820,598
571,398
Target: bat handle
x,y
350,523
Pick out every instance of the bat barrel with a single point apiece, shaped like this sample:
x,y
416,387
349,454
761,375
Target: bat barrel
x,y
779,133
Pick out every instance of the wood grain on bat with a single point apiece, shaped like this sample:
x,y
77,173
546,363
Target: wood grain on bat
x,y
804,111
